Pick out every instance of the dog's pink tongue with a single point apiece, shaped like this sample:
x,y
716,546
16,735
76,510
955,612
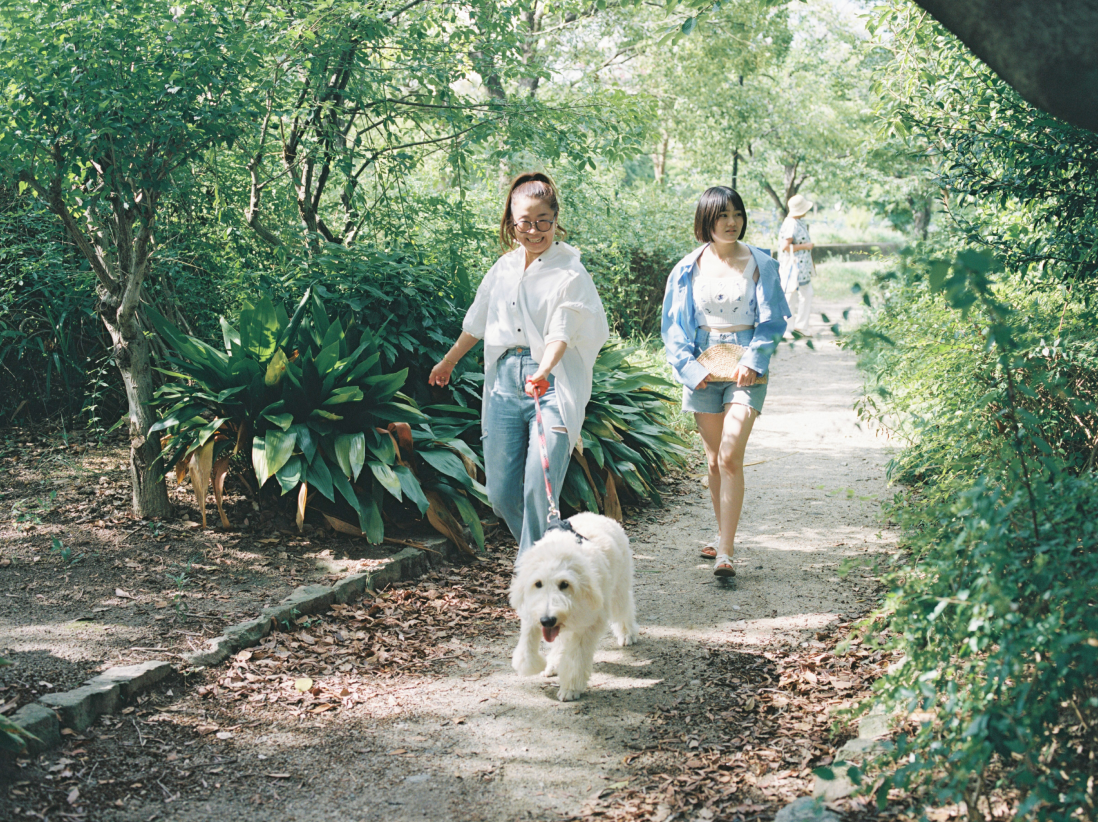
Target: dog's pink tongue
x,y
549,634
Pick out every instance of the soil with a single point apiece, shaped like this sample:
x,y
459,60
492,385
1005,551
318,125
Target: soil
x,y
404,706
84,586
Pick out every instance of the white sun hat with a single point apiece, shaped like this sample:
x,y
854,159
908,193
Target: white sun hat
x,y
799,205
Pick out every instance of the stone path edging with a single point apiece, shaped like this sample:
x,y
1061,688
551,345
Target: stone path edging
x,y
103,694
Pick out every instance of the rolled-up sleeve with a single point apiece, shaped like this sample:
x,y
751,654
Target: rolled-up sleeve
x,y
564,325
476,318
578,313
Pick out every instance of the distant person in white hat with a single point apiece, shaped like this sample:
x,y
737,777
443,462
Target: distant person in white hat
x,y
795,262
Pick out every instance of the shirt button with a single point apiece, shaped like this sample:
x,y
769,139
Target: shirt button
x,y
520,329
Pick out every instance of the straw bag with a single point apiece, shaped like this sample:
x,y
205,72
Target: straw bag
x,y
722,360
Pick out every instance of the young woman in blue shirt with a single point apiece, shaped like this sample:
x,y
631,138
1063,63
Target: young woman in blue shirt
x,y
724,291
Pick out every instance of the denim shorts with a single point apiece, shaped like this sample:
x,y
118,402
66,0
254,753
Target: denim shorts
x,y
714,397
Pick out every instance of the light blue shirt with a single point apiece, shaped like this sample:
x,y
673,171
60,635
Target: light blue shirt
x,y
680,325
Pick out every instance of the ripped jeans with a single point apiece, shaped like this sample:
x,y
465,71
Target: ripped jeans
x,y
512,455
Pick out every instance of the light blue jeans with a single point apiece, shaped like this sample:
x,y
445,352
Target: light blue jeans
x,y
512,455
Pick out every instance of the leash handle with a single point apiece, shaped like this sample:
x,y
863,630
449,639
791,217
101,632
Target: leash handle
x,y
536,390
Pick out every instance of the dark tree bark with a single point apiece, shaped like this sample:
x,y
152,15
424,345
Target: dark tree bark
x,y
1047,50
118,245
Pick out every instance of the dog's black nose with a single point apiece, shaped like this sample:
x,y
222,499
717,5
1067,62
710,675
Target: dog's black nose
x,y
548,621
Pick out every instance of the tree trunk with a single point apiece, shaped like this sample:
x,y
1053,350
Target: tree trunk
x,y
1045,49
736,168
119,257
131,353
661,162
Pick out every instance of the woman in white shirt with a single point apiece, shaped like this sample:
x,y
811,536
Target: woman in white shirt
x,y
542,322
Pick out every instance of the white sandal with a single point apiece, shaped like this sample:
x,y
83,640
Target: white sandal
x,y
723,566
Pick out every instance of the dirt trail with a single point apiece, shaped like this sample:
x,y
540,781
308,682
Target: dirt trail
x,y
481,744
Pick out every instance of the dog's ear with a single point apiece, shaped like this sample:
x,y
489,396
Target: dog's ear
x,y
588,595
518,588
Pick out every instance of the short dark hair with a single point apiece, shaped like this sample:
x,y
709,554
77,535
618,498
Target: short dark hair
x,y
710,205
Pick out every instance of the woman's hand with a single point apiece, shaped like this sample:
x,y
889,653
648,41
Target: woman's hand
x,y
703,384
440,374
536,386
746,377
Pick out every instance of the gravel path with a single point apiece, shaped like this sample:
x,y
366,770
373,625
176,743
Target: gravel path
x,y
478,743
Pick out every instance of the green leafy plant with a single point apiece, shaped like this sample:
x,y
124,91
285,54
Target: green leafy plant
x,y
627,444
992,616
64,552
308,402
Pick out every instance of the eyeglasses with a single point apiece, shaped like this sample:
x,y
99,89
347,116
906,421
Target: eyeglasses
x,y
525,226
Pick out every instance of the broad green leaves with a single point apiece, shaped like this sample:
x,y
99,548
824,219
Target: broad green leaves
x,y
294,438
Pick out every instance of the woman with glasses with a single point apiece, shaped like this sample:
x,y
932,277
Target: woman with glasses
x,y
723,292
542,324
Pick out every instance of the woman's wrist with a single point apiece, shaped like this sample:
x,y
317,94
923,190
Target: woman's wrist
x,y
446,359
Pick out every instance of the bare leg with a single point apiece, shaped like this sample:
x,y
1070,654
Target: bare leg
x,y
738,422
711,429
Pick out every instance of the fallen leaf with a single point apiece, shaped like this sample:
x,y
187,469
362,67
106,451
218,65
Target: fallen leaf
x,y
74,794
278,775
205,730
118,592
224,735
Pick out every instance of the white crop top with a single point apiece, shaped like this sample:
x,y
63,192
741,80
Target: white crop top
x,y
725,301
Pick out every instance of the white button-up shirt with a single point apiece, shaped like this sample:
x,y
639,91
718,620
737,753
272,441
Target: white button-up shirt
x,y
552,300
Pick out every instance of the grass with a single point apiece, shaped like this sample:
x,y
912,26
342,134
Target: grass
x,y
835,279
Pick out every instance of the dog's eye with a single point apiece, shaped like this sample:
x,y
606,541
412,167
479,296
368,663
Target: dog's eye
x,y
564,586
537,584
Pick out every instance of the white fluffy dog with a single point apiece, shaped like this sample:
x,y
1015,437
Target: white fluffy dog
x,y
567,588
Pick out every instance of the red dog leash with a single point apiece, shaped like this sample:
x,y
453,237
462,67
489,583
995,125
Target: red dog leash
x,y
536,390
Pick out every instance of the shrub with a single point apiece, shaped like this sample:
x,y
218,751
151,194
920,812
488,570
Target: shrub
x,y
307,400
627,444
415,308
49,332
994,612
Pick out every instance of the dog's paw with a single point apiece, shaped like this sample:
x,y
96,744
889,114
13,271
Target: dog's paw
x,y
626,637
568,694
527,666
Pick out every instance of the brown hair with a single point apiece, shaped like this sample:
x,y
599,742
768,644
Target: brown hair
x,y
531,184
710,205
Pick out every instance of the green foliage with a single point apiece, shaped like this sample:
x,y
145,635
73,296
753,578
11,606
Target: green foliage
x,y
48,327
416,308
986,367
995,390
114,94
307,400
1020,182
624,435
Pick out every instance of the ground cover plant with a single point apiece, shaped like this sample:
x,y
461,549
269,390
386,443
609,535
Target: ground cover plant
x,y
306,402
627,444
